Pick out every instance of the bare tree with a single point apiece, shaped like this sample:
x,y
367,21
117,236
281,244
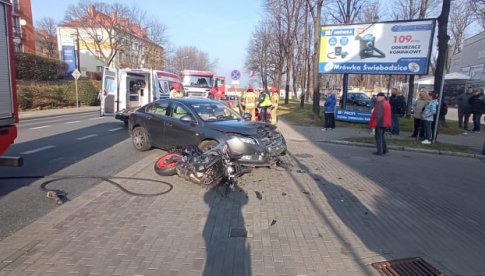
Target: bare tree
x,y
461,18
288,16
479,11
115,30
192,58
346,11
315,7
260,57
46,35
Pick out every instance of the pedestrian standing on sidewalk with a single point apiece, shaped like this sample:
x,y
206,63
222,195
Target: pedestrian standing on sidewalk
x,y
418,111
330,103
380,120
398,104
464,108
428,117
477,103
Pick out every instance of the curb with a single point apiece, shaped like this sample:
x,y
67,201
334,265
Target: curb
x,y
54,115
438,152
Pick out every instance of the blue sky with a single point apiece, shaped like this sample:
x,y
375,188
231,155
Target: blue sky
x,y
219,27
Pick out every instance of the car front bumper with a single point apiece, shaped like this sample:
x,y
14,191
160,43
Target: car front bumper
x,y
262,154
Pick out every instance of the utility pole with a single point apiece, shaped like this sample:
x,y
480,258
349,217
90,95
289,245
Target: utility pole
x,y
439,77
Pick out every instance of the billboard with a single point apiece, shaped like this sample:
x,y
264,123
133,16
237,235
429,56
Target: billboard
x,y
387,48
69,56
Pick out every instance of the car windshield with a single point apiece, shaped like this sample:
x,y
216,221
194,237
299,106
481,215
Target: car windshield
x,y
215,112
198,81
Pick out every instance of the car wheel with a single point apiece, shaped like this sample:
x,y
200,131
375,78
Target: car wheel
x,y
166,167
207,145
140,139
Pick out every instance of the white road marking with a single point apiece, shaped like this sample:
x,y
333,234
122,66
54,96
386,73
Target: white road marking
x,y
39,127
72,122
115,129
38,149
87,137
97,118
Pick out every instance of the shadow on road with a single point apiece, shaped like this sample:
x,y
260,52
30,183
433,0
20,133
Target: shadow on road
x,y
401,205
227,254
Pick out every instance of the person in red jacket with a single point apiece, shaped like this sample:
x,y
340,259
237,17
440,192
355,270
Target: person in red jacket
x,y
380,119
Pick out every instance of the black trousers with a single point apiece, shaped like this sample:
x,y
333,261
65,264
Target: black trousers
x,y
264,114
329,120
380,140
463,118
476,121
418,128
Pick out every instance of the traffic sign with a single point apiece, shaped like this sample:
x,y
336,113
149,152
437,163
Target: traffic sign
x,y
76,74
235,74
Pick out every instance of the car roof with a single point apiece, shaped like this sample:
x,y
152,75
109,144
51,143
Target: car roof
x,y
190,100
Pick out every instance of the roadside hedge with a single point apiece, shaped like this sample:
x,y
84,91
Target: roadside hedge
x,y
37,68
57,95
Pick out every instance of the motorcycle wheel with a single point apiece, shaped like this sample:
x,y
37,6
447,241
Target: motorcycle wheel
x,y
164,167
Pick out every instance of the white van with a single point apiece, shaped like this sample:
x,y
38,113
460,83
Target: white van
x,y
126,89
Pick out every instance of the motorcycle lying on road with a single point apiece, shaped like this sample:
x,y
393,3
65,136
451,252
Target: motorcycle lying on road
x,y
210,169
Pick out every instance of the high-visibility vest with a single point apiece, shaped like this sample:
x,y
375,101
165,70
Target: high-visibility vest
x,y
266,100
250,100
275,99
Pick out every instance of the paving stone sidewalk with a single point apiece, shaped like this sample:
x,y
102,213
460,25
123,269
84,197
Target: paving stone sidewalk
x,y
319,217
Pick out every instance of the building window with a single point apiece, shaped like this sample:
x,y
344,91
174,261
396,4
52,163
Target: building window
x,y
99,68
16,6
17,28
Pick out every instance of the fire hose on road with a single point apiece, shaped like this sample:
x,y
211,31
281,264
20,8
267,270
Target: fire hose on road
x,y
60,196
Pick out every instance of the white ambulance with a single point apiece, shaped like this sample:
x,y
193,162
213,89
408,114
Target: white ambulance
x,y
124,90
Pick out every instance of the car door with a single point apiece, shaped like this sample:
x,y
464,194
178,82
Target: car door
x,y
109,92
178,132
155,120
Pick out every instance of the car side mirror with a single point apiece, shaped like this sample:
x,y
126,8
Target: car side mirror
x,y
187,118
246,117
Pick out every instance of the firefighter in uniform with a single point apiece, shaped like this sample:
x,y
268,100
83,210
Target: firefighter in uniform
x,y
264,104
176,92
249,102
275,99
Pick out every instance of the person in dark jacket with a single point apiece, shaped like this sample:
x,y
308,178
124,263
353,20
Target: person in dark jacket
x,y
330,103
477,104
464,108
398,106
380,120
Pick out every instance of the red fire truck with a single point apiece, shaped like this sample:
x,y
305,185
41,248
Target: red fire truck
x,y
8,94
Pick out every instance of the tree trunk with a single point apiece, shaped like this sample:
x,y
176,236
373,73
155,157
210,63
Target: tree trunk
x,y
410,95
443,39
289,66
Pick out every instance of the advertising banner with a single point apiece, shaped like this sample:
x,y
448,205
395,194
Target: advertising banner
x,y
388,48
69,57
355,116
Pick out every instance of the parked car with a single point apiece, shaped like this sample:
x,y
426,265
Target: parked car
x,y
358,99
168,123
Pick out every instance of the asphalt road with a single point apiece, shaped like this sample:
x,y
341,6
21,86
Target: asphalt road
x,y
74,144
